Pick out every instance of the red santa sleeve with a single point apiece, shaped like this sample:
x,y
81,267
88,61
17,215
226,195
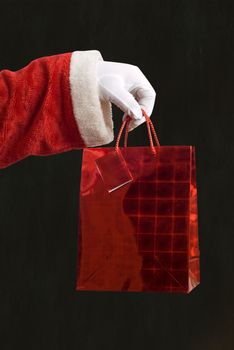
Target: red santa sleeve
x,y
51,106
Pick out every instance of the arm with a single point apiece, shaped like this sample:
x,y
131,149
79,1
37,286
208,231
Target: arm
x,y
51,106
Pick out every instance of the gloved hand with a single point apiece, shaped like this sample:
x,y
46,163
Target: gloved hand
x,y
126,86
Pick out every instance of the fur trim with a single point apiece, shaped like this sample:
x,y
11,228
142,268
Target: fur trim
x,y
93,116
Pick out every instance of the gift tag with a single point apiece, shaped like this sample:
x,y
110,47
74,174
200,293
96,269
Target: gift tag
x,y
113,170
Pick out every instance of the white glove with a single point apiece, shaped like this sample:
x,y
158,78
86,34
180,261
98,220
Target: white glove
x,y
126,86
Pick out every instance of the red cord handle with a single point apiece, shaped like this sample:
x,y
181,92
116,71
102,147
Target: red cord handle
x,y
150,127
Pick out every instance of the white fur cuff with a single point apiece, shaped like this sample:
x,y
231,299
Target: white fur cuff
x,y
93,116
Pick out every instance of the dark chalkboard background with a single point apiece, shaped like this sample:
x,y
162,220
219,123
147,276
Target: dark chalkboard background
x,y
186,49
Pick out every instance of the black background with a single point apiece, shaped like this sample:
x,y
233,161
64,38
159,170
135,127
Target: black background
x,y
186,50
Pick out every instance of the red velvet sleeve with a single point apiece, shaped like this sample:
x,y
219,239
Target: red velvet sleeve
x,y
36,114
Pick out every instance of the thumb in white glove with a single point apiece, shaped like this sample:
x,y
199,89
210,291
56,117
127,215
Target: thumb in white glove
x,y
126,86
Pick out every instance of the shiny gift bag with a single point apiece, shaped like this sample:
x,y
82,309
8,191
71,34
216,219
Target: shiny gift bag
x,y
143,234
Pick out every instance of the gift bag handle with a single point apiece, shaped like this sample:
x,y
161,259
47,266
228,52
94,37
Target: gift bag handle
x,y
149,125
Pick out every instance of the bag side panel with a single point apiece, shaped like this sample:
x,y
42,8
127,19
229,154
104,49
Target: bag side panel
x,y
194,253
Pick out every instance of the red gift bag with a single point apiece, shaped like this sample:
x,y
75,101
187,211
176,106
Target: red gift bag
x,y
143,235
